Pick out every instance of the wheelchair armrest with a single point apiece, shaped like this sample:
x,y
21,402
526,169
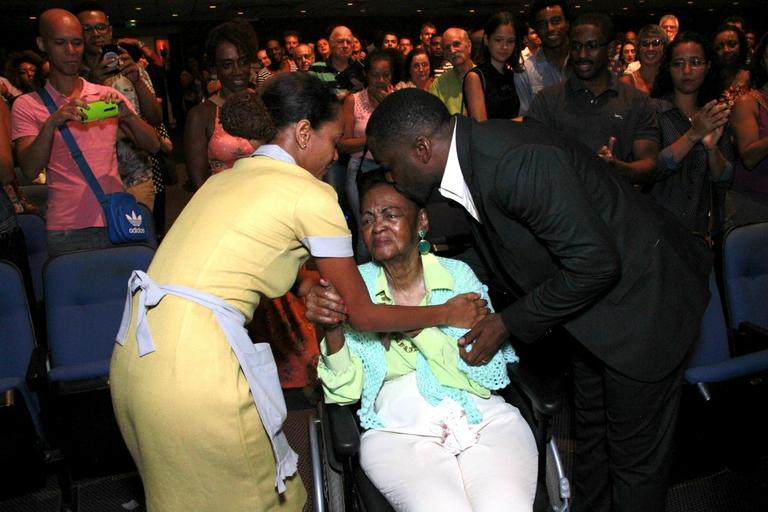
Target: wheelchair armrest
x,y
543,399
345,433
749,338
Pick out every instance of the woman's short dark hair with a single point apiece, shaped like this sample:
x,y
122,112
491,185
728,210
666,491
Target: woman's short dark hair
x,y
409,60
367,181
238,33
495,21
291,97
663,85
245,115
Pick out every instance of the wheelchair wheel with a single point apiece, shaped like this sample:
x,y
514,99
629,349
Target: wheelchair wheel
x,y
327,482
558,486
334,487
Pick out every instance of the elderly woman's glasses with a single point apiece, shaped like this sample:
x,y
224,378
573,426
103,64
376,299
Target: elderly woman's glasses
x,y
653,43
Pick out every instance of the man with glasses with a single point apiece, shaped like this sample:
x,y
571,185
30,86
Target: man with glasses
x,y
613,119
549,18
304,57
123,74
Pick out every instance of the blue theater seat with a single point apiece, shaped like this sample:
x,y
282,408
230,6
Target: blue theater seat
x,y
33,227
21,432
711,360
84,297
745,273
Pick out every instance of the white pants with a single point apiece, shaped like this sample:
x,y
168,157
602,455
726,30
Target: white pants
x,y
415,472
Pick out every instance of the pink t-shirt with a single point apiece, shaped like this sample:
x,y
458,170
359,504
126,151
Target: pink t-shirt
x,y
71,202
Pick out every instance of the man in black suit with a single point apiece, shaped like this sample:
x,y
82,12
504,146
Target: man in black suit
x,y
583,250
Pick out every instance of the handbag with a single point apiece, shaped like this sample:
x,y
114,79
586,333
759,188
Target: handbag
x,y
125,222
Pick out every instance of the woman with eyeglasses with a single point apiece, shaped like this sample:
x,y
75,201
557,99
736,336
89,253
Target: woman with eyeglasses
x,y
696,154
652,41
747,201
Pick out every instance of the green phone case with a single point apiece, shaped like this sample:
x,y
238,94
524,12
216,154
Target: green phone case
x,y
100,110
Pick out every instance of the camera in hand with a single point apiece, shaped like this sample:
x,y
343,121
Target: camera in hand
x,y
109,55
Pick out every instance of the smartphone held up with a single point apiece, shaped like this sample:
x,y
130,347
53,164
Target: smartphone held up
x,y
110,57
98,110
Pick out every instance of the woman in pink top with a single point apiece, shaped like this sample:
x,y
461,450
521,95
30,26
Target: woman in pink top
x,y
747,201
208,149
357,108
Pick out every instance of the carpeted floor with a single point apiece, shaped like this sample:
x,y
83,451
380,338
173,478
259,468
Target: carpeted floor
x,y
722,491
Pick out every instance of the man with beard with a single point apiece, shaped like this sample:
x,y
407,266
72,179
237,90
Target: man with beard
x,y
549,18
611,118
578,248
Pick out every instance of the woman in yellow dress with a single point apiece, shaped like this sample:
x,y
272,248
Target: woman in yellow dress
x,y
199,404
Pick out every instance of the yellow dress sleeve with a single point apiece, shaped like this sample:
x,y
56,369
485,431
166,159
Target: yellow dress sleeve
x,y
319,222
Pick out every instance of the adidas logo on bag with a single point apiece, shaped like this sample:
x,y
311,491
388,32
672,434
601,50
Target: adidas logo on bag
x,y
135,221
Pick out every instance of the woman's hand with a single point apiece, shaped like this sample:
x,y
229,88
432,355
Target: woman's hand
x,y
378,95
712,116
711,139
325,306
481,343
466,310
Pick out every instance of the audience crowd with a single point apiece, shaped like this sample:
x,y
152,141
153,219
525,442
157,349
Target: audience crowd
x,y
679,118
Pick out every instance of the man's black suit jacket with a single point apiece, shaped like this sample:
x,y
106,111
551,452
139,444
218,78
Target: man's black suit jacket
x,y
588,251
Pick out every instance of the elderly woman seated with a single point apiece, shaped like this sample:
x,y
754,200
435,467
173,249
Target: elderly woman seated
x,y
438,437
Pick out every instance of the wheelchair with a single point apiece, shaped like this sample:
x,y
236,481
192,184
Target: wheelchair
x,y
339,483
